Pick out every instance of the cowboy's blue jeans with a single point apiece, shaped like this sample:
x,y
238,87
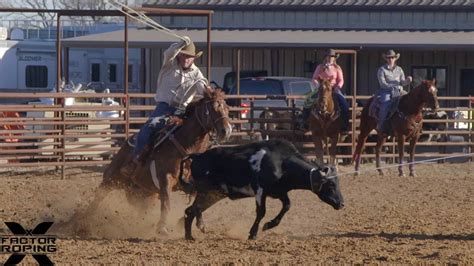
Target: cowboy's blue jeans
x,y
146,131
384,98
344,109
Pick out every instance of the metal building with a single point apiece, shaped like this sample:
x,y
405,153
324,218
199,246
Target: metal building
x,y
287,38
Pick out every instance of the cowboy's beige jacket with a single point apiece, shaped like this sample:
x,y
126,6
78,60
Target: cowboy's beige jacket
x,y
176,86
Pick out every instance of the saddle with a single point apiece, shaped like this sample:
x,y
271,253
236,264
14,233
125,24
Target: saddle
x,y
168,125
375,106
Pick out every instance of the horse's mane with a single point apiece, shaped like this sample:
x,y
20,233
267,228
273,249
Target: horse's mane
x,y
424,83
324,83
209,95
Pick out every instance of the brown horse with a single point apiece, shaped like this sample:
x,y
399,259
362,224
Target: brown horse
x,y
406,124
325,122
160,172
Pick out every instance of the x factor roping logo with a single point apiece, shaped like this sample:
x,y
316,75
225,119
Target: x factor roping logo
x,y
26,241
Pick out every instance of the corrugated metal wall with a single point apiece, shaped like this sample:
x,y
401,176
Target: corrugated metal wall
x,y
290,62
389,20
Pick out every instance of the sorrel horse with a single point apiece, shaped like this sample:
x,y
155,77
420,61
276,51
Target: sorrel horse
x,y
160,172
325,122
406,124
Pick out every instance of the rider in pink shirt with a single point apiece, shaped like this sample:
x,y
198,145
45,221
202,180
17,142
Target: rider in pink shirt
x,y
329,69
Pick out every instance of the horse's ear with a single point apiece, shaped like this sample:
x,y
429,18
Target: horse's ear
x,y
434,81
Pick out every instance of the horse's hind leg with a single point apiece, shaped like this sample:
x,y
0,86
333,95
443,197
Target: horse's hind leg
x,y
364,133
401,142
378,150
165,192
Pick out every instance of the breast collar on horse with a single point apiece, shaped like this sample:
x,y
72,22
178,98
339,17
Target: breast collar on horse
x,y
415,126
334,115
178,145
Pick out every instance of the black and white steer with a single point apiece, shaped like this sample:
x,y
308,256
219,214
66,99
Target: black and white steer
x,y
267,168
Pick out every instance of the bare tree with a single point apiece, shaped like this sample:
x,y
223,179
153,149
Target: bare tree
x,y
48,19
86,4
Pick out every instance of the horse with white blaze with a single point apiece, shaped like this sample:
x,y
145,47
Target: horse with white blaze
x,y
260,169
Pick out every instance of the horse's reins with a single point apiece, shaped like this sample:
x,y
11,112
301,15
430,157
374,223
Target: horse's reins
x,y
178,145
214,122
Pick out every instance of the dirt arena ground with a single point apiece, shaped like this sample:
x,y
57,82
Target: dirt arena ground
x,y
428,219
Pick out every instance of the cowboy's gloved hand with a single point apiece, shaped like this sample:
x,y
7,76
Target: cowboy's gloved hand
x,y
175,120
186,40
336,88
179,112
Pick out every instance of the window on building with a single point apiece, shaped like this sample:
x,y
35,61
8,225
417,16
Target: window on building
x,y
112,73
95,72
439,73
130,73
36,76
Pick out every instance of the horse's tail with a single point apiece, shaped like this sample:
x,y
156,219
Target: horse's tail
x,y
187,186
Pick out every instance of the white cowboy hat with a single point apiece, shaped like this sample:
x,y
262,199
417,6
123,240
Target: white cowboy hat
x,y
190,50
390,53
332,53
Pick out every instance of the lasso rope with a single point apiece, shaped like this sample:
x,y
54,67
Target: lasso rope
x,y
128,11
410,163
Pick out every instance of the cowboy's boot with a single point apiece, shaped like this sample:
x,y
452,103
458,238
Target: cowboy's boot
x,y
345,123
130,168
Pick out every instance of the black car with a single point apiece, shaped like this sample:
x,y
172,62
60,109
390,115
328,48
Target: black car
x,y
271,86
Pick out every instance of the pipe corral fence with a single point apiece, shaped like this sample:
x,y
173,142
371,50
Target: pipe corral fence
x,y
89,132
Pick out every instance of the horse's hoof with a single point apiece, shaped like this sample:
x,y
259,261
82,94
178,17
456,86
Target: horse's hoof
x,y
413,175
401,175
189,238
381,173
357,174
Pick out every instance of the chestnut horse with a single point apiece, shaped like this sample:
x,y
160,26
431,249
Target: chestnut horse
x,y
406,124
160,172
325,122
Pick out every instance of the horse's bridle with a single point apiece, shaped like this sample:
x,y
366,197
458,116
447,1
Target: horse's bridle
x,y
208,115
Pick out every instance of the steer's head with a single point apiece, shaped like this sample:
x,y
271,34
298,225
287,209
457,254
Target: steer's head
x,y
325,183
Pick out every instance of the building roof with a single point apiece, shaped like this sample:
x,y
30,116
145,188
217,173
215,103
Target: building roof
x,y
146,38
311,3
